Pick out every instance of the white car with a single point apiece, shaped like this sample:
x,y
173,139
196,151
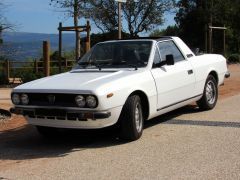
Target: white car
x,y
122,83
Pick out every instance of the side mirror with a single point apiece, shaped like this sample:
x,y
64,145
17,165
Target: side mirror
x,y
169,59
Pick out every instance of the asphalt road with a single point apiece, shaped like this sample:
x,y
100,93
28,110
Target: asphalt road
x,y
185,144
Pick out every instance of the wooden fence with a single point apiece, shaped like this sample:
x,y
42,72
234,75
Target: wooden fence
x,y
12,69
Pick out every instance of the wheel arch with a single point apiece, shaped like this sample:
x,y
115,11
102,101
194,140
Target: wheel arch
x,y
215,75
144,102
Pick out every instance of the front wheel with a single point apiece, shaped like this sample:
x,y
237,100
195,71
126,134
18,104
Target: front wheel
x,y
210,94
131,119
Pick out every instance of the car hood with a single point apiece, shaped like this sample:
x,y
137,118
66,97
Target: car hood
x,y
84,81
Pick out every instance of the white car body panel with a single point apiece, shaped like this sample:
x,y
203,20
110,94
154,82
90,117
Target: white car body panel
x,y
166,88
173,83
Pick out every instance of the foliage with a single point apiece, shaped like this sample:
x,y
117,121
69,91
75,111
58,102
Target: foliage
x,y
4,24
3,79
191,19
100,37
69,5
194,15
169,31
28,75
234,58
140,16
27,70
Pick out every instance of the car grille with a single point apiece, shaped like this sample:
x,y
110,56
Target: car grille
x,y
45,99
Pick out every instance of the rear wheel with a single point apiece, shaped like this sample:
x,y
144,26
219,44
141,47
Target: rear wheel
x,y
210,94
131,119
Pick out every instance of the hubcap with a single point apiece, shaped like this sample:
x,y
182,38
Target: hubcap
x,y
211,92
138,117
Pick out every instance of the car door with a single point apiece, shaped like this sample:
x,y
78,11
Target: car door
x,y
175,83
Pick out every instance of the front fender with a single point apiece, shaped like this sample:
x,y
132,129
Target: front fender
x,y
122,89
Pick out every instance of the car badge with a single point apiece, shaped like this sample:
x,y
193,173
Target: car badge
x,y
51,99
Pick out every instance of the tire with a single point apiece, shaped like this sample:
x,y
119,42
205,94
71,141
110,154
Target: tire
x,y
210,94
131,119
48,132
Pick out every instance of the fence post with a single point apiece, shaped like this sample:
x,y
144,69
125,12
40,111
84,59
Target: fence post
x,y
7,70
60,48
88,40
46,57
65,63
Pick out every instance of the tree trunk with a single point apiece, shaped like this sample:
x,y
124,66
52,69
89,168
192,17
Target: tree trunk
x,y
78,38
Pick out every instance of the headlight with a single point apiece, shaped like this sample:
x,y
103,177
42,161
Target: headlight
x,y
91,101
16,99
80,101
24,99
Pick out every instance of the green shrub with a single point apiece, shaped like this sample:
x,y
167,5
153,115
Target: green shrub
x,y
28,75
234,58
3,79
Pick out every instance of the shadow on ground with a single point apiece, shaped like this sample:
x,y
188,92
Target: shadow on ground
x,y
25,143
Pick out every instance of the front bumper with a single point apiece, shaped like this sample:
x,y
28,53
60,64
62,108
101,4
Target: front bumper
x,y
69,117
69,114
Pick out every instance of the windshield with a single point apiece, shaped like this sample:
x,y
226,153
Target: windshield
x,y
120,54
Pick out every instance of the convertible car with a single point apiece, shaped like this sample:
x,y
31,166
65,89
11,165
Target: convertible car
x,y
122,83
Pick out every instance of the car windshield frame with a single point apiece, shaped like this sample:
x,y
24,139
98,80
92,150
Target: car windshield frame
x,y
117,54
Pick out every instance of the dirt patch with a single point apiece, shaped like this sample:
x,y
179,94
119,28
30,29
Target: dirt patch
x,y
231,87
15,121
4,116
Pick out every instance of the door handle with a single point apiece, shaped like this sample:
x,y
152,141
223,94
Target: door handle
x,y
190,71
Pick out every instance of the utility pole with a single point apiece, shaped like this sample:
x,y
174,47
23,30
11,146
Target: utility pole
x,y
119,20
78,38
120,17
210,29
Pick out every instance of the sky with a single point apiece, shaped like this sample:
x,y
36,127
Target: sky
x,y
39,17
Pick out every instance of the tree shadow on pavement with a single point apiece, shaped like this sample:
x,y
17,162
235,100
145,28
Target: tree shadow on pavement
x,y
171,119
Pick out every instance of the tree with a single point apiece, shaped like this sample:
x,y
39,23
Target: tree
x,y
4,24
169,31
191,19
233,22
140,16
72,8
194,15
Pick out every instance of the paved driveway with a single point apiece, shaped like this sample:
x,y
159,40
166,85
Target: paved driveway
x,y
186,144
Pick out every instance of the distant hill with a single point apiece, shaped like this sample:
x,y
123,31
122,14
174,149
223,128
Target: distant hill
x,y
22,46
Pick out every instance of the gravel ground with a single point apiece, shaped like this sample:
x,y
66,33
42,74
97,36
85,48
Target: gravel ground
x,y
185,144
5,117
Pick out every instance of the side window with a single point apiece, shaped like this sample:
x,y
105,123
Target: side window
x,y
168,47
157,58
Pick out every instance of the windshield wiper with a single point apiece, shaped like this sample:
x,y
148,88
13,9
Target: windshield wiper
x,y
86,64
134,66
